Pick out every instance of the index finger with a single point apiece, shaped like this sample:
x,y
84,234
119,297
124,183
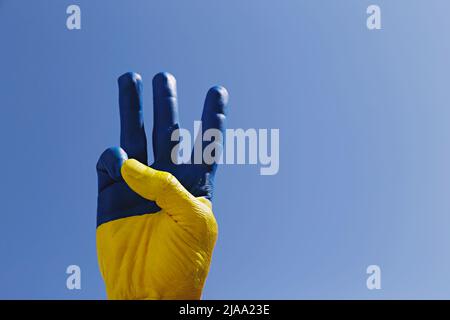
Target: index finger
x,y
132,133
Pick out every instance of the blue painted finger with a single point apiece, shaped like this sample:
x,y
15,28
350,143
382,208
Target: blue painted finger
x,y
108,167
132,133
165,116
213,124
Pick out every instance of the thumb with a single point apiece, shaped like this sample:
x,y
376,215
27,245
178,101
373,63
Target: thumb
x,y
163,188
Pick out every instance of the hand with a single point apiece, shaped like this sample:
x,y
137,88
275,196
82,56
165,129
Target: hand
x,y
155,227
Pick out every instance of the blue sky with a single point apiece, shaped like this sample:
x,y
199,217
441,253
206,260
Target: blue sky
x,y
364,139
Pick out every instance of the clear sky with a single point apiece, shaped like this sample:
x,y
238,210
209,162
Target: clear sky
x,y
364,139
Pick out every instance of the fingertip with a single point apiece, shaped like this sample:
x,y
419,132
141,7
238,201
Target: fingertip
x,y
163,77
129,79
217,98
165,84
219,91
133,168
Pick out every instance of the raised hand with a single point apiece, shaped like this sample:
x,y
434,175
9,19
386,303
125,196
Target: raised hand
x,y
155,227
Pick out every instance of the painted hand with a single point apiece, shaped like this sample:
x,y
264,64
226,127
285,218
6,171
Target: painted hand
x,y
155,227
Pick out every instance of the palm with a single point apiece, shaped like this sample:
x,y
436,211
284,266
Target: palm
x,y
161,228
